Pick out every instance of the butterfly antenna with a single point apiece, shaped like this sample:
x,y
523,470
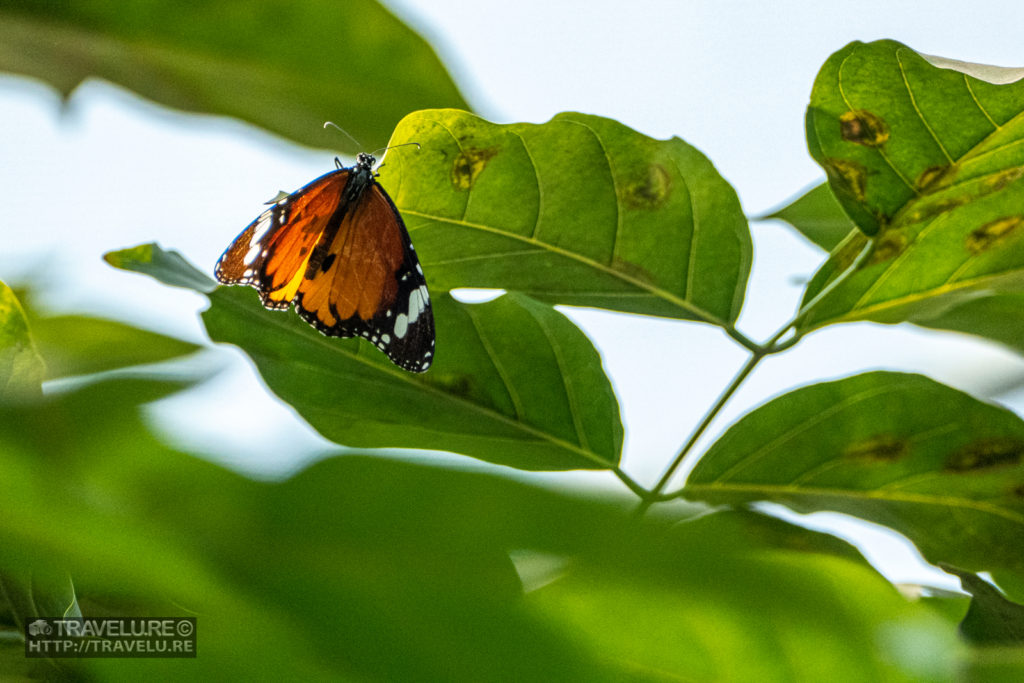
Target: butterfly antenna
x,y
404,144
347,134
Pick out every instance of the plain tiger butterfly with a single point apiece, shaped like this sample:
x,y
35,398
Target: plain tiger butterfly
x,y
338,250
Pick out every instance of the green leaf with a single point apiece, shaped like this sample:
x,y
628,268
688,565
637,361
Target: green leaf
x,y
580,210
998,317
937,465
80,345
816,215
284,66
927,161
514,382
21,367
991,619
169,267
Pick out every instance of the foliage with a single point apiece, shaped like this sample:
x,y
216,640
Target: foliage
x,y
367,566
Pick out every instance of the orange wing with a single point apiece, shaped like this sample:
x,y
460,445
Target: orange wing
x,y
272,252
338,250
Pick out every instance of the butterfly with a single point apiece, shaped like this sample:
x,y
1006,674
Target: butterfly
x,y
338,250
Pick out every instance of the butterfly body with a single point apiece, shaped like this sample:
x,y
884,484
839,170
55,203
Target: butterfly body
x,y
338,250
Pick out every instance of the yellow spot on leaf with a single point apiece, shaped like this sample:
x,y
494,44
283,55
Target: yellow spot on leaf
x,y
861,127
651,191
985,454
879,448
933,178
848,177
992,233
888,245
468,166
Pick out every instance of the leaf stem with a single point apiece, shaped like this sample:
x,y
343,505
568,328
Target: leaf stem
x,y
631,483
654,495
757,353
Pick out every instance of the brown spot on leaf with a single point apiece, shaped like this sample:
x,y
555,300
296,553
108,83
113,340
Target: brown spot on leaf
x,y
1000,180
1017,491
933,178
469,164
633,270
888,245
930,209
985,454
992,233
650,191
878,448
848,177
458,384
862,127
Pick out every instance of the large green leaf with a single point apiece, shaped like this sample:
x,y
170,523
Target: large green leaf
x,y
21,367
580,210
935,464
380,570
285,66
514,381
927,161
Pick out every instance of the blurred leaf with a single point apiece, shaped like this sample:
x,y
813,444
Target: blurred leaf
x,y
514,381
804,617
937,465
580,210
284,66
927,161
1011,583
374,569
998,317
991,618
80,345
817,216
169,267
21,367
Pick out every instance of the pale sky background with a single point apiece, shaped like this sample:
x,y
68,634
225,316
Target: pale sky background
x,y
110,170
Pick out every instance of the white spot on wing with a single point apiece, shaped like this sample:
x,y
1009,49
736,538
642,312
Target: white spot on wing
x,y
401,325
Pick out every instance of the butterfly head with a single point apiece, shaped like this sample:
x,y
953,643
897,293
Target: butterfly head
x,y
364,160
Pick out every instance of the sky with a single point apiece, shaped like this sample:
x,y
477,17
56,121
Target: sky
x,y
107,170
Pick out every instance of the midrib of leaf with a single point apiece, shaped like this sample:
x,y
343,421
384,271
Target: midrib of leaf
x,y
653,290
405,378
772,491
858,313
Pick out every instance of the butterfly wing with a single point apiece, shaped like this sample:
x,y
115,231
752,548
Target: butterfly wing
x,y
369,283
339,250
272,252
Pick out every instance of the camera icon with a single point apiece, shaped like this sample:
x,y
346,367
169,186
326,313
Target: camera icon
x,y
40,627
